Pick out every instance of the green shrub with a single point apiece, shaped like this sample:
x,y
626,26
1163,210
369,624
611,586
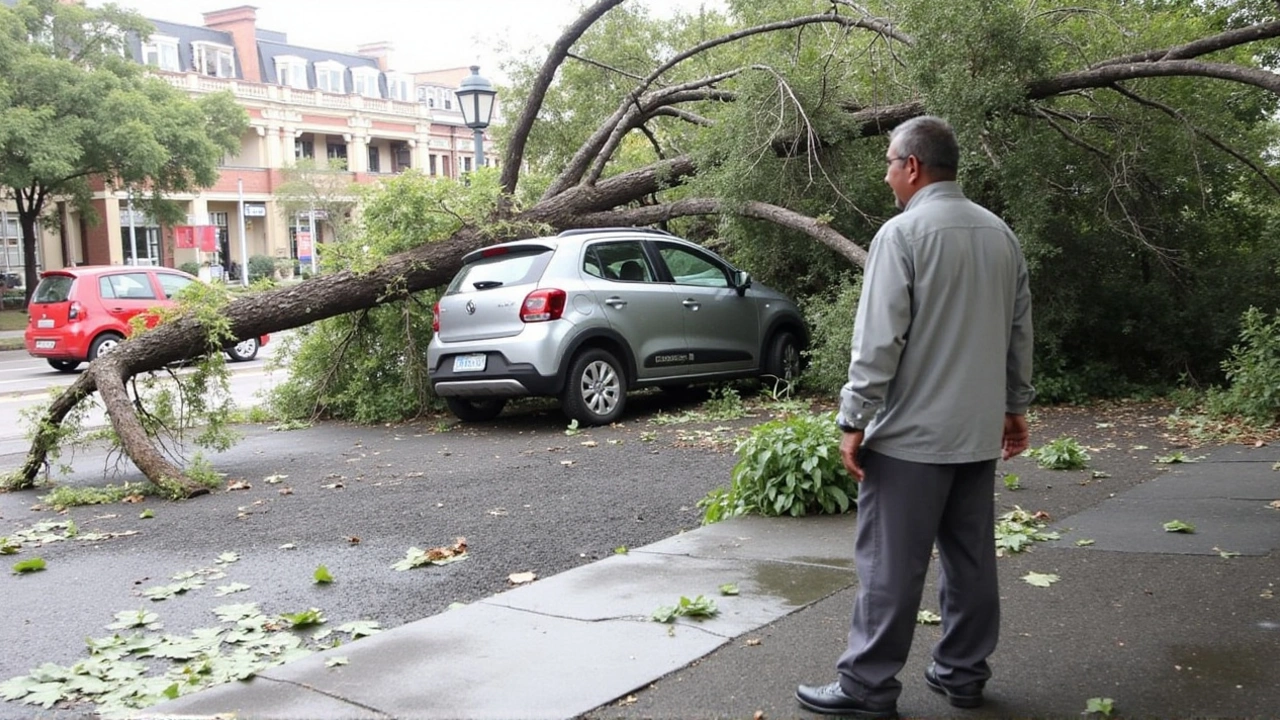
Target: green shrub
x,y
261,266
1061,454
1253,369
190,267
830,319
789,466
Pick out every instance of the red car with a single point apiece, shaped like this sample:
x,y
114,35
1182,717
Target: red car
x,y
80,313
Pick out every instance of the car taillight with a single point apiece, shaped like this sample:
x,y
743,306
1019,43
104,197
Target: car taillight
x,y
435,318
75,312
543,305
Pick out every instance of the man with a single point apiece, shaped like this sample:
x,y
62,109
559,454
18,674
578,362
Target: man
x,y
939,383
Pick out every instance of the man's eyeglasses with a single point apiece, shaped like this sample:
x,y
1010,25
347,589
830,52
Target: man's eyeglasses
x,y
892,160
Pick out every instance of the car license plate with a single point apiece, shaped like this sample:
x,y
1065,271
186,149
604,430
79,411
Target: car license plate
x,y
45,344
469,363
44,323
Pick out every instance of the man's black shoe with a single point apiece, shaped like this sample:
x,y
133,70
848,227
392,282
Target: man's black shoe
x,y
832,700
965,696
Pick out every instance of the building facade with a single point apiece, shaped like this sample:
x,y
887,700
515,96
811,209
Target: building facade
x,y
349,112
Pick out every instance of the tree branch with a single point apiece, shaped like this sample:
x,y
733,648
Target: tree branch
x,y
603,66
520,135
1213,140
650,214
1103,76
602,143
1201,46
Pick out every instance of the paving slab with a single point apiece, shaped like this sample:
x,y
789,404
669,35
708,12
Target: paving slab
x,y
260,698
822,540
480,661
636,584
1123,524
1239,480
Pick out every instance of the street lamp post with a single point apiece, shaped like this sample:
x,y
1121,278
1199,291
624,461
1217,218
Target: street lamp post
x,y
475,97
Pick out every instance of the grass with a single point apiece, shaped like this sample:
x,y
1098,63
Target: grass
x,y
13,320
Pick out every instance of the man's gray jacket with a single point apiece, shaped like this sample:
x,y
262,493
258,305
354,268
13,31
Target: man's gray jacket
x,y
942,339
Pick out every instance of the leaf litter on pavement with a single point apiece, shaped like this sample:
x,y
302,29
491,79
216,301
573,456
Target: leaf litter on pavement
x,y
127,670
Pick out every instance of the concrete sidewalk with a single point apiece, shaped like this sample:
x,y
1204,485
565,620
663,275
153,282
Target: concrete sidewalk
x,y
1161,622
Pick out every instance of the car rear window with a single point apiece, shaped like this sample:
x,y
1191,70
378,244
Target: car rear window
x,y
53,289
513,268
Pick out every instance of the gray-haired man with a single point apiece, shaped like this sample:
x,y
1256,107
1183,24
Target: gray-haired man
x,y
939,383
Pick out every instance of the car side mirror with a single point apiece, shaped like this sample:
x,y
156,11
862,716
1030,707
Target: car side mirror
x,y
741,281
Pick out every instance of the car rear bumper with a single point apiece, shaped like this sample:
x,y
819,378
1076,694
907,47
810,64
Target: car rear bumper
x,y
500,378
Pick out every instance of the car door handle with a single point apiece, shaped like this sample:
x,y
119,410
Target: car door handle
x,y
691,304
615,302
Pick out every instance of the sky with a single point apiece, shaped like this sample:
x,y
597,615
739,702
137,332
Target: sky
x,y
425,34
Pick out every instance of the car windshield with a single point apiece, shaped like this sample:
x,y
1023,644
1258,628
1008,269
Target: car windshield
x,y
54,289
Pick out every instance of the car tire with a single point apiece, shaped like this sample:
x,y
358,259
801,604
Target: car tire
x,y
103,344
472,410
595,391
243,351
784,361
64,365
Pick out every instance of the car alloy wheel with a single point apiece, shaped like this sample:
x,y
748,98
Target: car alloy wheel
x,y
244,351
596,390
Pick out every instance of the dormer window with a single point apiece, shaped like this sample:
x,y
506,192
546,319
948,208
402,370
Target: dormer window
x,y
398,86
365,81
291,71
331,77
214,60
161,52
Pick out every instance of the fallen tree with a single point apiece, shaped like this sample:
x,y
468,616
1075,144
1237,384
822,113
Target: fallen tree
x,y
584,194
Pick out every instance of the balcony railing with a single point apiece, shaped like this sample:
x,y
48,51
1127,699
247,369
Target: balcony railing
x,y
195,82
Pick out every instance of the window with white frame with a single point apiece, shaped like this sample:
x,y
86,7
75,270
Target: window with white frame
x,y
331,77
365,80
398,86
161,52
291,71
422,94
214,60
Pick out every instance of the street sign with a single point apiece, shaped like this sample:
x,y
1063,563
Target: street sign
x,y
304,246
255,210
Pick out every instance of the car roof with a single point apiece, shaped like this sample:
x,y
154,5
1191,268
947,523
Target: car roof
x,y
96,270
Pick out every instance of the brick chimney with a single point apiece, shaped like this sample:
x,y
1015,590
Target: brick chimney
x,y
242,23
380,51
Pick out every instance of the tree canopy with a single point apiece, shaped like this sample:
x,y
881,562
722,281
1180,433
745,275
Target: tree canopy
x,y
1131,145
74,108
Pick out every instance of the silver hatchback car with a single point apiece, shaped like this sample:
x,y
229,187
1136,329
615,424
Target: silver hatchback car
x,y
587,315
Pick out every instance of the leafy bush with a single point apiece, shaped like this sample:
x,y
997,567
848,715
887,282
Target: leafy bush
x,y
261,266
1253,369
190,267
830,319
789,466
1061,454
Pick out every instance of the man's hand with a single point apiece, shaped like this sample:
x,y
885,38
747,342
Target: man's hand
x,y
1016,436
849,444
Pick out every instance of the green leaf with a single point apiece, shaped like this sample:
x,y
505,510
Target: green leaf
x,y
360,628
30,565
664,614
620,550
1012,482
928,617
1040,579
1178,526
310,616
1226,554
1100,705
335,661
236,613
147,514
227,558
728,589
224,590
1084,542
171,692
322,575
129,619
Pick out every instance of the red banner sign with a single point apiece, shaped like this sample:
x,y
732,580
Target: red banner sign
x,y
204,237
